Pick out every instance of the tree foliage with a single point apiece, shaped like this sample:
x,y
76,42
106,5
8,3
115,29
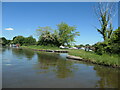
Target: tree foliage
x,y
105,12
111,45
3,41
30,41
66,33
19,40
46,37
79,46
24,40
63,35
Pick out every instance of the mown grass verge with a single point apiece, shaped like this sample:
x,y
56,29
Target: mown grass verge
x,y
41,47
105,59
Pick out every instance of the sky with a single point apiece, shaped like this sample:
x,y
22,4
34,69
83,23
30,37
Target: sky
x,y
23,18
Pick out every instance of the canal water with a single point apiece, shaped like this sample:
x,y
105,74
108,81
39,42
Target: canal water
x,y
24,68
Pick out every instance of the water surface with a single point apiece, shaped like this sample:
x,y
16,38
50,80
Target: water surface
x,y
23,68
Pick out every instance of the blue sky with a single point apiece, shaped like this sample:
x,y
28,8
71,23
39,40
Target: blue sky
x,y
25,17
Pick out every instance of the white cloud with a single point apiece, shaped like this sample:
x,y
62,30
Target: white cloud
x,y
9,29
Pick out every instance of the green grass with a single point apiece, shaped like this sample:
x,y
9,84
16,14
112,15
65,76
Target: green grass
x,y
104,59
41,47
99,59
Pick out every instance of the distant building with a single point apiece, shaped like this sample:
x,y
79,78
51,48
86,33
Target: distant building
x,y
17,45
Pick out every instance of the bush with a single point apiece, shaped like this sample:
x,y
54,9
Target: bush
x,y
111,46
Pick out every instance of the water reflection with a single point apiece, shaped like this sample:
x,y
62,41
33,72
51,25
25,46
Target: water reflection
x,y
23,52
18,52
60,66
108,77
2,50
28,53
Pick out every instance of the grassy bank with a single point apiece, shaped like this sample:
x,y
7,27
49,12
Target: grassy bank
x,y
41,47
104,59
88,56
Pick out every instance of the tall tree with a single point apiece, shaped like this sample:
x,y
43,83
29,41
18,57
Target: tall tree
x,y
105,12
43,30
46,36
66,33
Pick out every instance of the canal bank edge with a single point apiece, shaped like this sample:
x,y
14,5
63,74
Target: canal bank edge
x,y
74,57
85,60
58,51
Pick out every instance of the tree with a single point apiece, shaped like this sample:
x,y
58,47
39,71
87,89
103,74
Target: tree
x,y
9,42
30,41
56,38
24,40
19,40
105,12
111,46
79,46
66,33
14,38
116,36
4,41
114,42
45,36
63,35
43,30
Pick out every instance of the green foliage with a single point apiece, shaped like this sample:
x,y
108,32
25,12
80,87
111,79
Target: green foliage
x,y
79,46
46,37
106,33
111,46
9,42
19,40
14,38
66,33
4,41
24,40
115,41
116,36
100,47
30,41
63,35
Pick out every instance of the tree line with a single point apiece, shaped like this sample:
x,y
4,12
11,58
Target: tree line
x,y
63,35
18,40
